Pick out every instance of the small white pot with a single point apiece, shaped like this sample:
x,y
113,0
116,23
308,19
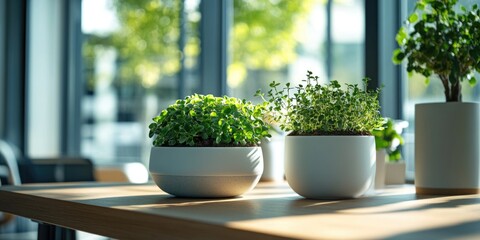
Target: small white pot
x,y
395,173
206,171
330,167
447,148
380,169
273,158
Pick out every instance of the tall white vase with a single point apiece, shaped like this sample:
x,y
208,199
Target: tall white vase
x,y
447,148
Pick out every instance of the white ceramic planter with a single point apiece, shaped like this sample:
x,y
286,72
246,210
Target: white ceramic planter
x,y
395,173
273,158
330,167
447,148
206,171
380,169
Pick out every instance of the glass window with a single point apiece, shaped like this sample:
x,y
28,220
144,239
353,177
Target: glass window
x,y
44,79
144,54
139,58
348,36
280,40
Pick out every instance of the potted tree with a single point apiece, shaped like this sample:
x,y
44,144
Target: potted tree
x,y
440,41
390,164
329,152
206,146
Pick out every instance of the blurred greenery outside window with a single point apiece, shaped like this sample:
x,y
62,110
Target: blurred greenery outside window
x,y
132,60
141,55
279,40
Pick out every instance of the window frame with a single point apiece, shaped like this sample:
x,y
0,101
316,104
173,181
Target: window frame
x,y
217,17
2,65
15,74
382,21
72,72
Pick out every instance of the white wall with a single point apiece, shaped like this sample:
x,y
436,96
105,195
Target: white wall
x,y
44,78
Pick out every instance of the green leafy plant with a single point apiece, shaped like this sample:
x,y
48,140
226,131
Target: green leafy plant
x,y
315,109
439,40
205,120
389,139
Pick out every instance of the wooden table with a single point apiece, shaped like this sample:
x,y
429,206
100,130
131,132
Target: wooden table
x,y
270,211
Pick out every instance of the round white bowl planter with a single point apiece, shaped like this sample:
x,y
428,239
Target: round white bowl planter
x,y
447,141
206,172
330,167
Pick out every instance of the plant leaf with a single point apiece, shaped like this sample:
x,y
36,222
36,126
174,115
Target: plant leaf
x,y
398,56
413,18
472,81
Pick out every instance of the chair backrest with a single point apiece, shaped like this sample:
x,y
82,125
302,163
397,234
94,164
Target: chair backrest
x,y
10,157
63,169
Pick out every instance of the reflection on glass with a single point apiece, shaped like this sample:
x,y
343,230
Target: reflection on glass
x,y
279,40
133,53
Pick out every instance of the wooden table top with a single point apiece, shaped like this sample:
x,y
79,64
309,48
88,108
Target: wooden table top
x,y
270,211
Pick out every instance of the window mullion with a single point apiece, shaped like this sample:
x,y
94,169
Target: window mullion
x,y
181,46
329,41
15,73
214,29
72,85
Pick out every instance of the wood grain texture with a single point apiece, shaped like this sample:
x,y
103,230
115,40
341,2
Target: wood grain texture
x,y
270,211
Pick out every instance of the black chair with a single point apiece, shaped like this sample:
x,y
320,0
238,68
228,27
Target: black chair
x,y
49,170
8,160
13,226
63,169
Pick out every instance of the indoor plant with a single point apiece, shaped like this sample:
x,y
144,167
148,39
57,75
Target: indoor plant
x,y
390,164
441,41
329,152
389,139
206,146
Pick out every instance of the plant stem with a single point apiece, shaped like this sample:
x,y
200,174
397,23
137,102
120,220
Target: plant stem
x,y
453,92
444,80
456,92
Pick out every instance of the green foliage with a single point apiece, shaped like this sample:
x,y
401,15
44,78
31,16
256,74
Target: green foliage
x,y
388,139
148,38
200,120
439,40
147,42
314,109
264,32
265,35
